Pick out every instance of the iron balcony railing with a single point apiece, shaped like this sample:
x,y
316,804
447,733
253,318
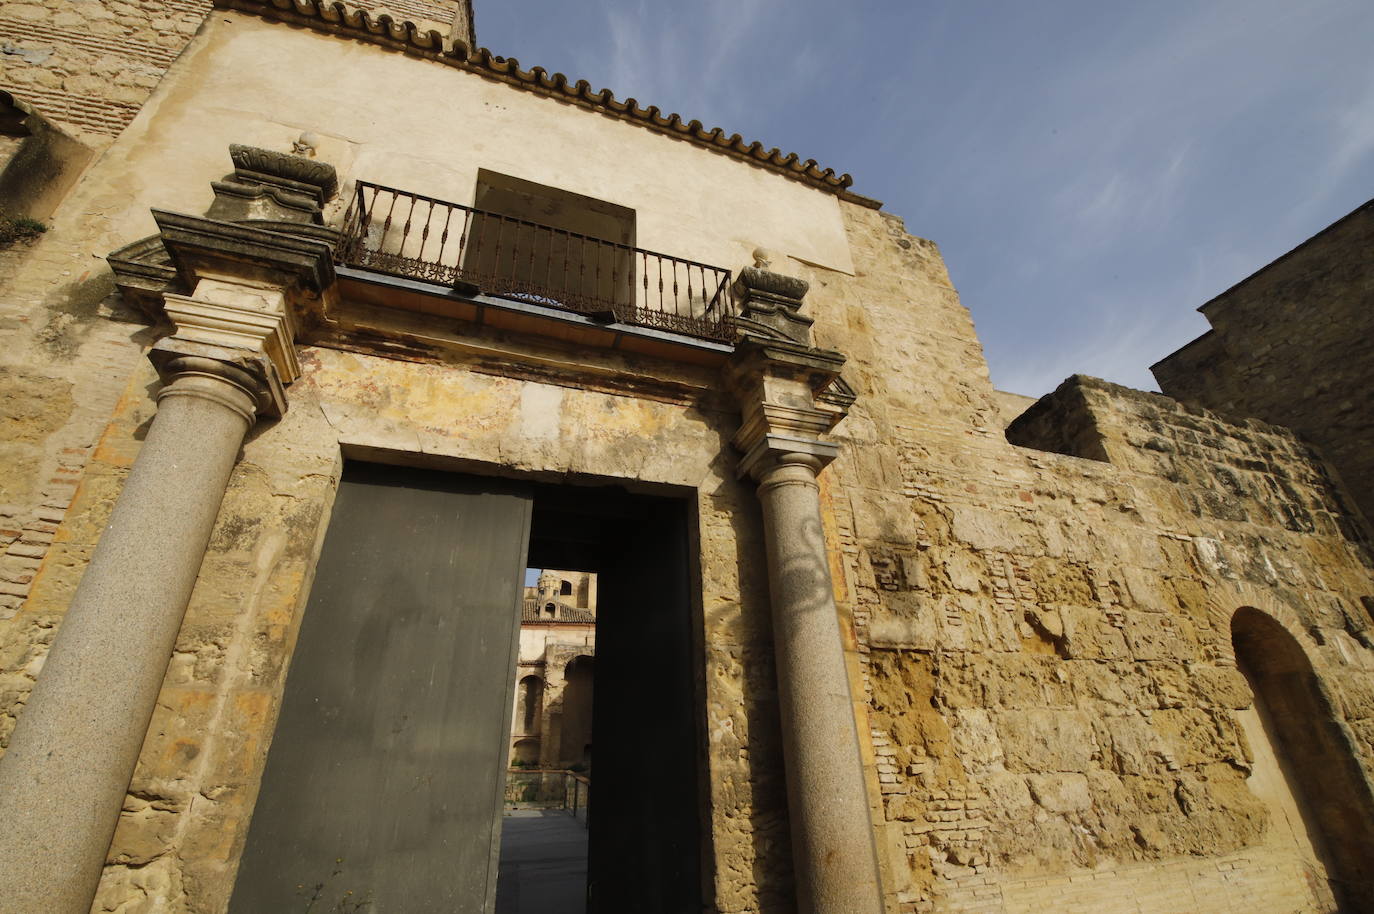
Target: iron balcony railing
x,y
403,234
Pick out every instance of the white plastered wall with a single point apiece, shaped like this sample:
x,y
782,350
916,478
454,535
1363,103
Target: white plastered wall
x,y
426,127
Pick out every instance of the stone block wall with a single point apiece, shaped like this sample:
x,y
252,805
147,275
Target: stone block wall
x,y
1293,344
1039,631
1040,641
90,65
1044,631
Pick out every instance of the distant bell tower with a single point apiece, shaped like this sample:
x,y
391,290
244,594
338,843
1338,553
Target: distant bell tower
x,y
548,585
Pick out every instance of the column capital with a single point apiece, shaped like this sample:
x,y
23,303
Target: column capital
x,y
246,328
215,380
776,467
773,452
781,387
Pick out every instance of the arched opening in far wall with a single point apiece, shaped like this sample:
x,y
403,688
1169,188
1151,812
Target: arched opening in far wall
x,y
1318,784
576,738
530,696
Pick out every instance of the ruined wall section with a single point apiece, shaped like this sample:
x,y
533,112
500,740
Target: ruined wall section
x,y
1044,639
1293,345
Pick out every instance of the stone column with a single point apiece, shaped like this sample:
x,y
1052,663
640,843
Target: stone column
x,y
791,395
835,856
73,752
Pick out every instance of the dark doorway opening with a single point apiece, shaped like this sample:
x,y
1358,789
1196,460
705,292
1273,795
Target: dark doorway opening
x,y
644,816
384,784
1316,760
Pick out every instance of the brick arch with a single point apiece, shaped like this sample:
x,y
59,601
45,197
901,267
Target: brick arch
x,y
1224,601
1303,723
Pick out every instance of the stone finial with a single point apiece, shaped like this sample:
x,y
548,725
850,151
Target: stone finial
x,y
763,258
772,301
284,169
274,186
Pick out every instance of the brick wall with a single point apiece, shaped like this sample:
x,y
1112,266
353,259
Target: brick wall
x,y
89,65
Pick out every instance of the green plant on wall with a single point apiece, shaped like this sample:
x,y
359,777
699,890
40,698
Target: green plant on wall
x,y
19,228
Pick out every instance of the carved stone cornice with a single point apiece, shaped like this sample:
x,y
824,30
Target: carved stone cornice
x,y
143,273
203,246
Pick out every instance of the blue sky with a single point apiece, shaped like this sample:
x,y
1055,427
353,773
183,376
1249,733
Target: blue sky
x,y
1091,171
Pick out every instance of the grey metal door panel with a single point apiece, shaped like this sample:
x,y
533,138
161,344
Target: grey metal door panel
x,y
385,774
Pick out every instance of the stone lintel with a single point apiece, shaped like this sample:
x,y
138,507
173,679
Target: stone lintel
x,y
209,247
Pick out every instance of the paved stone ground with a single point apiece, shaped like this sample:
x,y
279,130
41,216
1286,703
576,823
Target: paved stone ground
x,y
543,863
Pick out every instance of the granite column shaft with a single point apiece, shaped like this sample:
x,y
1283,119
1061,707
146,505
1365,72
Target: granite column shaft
x,y
72,755
834,854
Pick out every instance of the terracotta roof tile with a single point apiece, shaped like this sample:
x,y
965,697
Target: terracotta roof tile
x,y
567,612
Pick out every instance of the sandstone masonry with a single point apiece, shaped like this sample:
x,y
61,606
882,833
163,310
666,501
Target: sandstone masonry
x,y
1054,619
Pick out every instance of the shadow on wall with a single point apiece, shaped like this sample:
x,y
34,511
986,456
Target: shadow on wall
x,y
44,164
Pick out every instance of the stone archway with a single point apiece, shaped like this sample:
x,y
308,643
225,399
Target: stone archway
x,y
1318,783
530,699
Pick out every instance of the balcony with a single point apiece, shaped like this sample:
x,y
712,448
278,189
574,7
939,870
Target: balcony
x,y
477,252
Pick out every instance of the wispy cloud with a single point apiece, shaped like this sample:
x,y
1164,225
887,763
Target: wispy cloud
x,y
1092,172
686,59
